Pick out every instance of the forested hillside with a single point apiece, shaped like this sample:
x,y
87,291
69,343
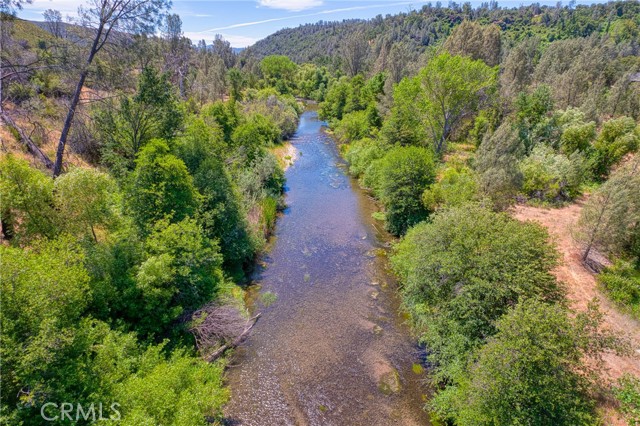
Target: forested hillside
x,y
383,41
141,175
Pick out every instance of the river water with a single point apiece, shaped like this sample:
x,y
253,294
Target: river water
x,y
332,349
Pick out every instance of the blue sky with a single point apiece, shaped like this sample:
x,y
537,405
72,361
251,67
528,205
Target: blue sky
x,y
245,22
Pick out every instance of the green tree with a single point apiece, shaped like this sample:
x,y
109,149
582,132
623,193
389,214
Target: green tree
x,y
153,112
401,177
86,199
499,177
453,88
161,187
532,371
181,272
26,201
532,116
403,125
461,272
279,72
617,138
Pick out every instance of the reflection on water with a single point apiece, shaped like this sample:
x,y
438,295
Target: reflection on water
x,y
332,349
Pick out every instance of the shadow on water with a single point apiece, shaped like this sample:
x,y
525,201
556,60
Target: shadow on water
x,y
332,349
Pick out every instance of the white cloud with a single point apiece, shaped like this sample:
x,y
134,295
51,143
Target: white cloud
x,y
235,40
290,5
309,15
66,7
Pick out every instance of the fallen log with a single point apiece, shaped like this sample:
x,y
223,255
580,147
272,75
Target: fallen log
x,y
215,354
26,140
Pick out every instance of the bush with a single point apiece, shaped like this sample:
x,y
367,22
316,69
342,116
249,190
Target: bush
x,y
529,373
181,390
577,135
401,177
628,395
552,177
456,186
622,283
20,93
462,271
353,126
254,135
617,138
282,110
362,153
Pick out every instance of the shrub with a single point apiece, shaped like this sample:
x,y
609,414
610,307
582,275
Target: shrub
x,y
353,126
362,153
552,177
628,395
20,93
617,138
456,186
622,283
577,135
401,177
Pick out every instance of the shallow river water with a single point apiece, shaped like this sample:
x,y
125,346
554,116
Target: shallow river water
x,y
332,349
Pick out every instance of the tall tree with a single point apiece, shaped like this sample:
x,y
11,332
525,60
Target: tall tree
x,y
53,19
106,17
453,88
355,51
610,220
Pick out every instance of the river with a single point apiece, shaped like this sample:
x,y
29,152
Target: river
x,y
332,349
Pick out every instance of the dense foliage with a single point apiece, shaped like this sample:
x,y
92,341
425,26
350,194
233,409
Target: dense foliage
x,y
103,267
168,189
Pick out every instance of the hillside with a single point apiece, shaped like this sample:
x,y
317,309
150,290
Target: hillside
x,y
322,42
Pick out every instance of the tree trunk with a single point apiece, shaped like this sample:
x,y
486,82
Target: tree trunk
x,y
26,140
97,44
57,168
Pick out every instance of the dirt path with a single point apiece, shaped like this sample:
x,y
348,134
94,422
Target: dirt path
x,y
581,283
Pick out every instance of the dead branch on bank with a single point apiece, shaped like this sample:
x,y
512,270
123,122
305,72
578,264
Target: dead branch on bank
x,y
217,328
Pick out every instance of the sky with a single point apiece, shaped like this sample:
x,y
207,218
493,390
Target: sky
x,y
244,22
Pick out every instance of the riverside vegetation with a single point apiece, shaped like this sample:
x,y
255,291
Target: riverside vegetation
x,y
119,276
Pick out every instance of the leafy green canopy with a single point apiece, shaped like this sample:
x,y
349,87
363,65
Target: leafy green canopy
x,y
463,270
429,107
162,187
399,179
530,373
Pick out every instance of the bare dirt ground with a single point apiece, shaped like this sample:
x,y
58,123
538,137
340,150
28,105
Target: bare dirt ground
x,y
582,287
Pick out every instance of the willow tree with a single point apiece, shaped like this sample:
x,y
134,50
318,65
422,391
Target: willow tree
x,y
108,19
